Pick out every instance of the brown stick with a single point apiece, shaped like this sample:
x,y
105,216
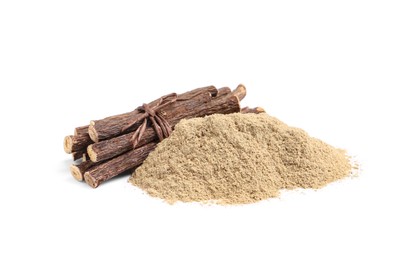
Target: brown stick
x,y
78,142
75,143
256,110
81,130
78,170
112,126
240,92
223,91
107,170
197,107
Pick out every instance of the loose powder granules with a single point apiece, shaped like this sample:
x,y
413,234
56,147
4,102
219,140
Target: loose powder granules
x,y
236,159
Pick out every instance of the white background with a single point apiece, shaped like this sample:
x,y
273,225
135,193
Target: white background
x,y
345,71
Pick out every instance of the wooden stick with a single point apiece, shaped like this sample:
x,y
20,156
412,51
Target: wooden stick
x,y
223,91
256,110
75,143
197,107
78,170
239,92
81,130
112,126
107,170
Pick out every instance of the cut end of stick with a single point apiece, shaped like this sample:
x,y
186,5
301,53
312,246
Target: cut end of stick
x,y
90,180
68,144
75,171
92,132
91,153
240,91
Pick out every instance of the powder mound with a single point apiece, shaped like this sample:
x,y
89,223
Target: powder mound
x,y
237,159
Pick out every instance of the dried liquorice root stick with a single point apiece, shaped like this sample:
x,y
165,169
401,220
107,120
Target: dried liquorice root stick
x,y
75,143
111,126
256,110
78,170
109,169
239,92
81,130
198,107
223,91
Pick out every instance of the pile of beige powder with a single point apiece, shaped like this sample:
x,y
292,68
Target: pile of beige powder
x,y
236,159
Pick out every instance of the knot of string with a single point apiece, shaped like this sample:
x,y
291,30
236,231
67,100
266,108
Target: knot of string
x,y
152,113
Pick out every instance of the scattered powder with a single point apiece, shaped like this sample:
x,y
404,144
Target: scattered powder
x,y
237,158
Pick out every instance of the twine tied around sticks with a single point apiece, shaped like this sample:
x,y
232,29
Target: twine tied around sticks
x,y
152,113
